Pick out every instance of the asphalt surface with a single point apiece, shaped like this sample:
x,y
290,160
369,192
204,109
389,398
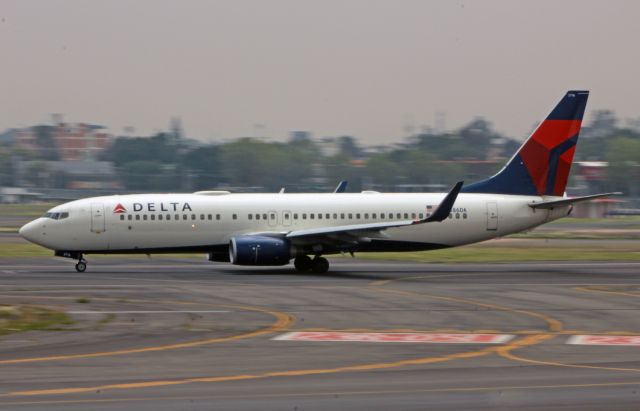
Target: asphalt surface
x,y
170,334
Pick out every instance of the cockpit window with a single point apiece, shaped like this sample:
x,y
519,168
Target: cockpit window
x,y
56,216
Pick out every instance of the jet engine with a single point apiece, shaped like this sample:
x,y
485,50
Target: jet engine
x,y
259,250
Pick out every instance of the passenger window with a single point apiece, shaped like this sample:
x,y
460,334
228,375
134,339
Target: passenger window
x,y
327,216
304,216
286,216
312,216
137,217
234,216
209,217
295,216
358,216
406,216
250,216
464,216
217,216
129,217
144,217
257,216
176,217
273,216
168,217
457,216
159,216
335,216
184,216
350,216
421,216
153,217
319,216
121,217
413,216
373,216
398,216
193,216
201,216
450,215
366,216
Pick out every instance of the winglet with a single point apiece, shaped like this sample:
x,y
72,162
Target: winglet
x,y
341,187
444,208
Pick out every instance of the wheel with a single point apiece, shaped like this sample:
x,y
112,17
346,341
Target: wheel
x,y
302,263
81,266
320,265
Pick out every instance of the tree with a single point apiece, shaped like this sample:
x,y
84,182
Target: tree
x,y
624,165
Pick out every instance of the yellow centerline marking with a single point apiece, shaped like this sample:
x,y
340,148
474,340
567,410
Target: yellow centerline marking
x,y
555,327
283,322
596,289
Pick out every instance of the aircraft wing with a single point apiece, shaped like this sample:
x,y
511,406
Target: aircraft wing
x,y
355,233
569,201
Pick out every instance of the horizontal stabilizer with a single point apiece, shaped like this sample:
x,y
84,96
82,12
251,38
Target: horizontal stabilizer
x,y
569,201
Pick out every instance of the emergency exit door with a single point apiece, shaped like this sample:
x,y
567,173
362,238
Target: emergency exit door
x,y
492,216
97,217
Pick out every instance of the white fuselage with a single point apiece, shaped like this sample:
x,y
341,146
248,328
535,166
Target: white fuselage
x,y
190,222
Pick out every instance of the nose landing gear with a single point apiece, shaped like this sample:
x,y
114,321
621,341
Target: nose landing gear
x,y
81,265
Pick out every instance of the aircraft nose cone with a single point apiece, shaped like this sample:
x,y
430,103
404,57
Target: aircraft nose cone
x,y
27,231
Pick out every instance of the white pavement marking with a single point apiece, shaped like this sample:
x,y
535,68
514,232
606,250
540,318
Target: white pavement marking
x,y
396,337
150,312
624,340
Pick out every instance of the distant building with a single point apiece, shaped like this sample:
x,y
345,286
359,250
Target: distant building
x,y
80,141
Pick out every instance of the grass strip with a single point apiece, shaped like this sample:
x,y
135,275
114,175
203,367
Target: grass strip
x,y
29,318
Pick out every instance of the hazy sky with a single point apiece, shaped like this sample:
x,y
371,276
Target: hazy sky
x,y
364,68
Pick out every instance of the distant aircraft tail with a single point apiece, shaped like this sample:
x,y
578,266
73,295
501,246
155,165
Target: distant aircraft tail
x,y
542,164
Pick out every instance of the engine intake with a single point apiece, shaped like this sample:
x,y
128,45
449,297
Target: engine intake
x,y
259,250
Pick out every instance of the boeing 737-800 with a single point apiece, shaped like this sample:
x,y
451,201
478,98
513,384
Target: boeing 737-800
x,y
273,229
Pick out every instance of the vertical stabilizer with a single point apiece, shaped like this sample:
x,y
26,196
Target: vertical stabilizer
x,y
542,164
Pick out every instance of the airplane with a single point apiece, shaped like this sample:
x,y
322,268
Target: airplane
x,y
273,229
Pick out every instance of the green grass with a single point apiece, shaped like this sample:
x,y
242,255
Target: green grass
x,y
25,249
25,210
28,318
506,250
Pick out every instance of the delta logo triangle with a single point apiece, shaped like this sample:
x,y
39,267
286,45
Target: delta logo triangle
x,y
119,209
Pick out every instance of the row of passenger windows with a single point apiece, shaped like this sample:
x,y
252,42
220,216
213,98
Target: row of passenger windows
x,y
176,217
287,216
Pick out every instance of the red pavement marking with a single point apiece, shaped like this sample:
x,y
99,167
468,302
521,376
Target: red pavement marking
x,y
396,337
633,340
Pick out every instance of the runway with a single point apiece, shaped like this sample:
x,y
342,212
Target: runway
x,y
167,334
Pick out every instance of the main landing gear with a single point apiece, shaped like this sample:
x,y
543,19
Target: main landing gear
x,y
81,265
317,265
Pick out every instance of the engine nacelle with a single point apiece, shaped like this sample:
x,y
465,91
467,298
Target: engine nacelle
x,y
259,250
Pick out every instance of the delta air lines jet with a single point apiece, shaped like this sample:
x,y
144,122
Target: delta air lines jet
x,y
273,229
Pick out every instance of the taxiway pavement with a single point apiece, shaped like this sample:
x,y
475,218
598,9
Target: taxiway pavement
x,y
167,334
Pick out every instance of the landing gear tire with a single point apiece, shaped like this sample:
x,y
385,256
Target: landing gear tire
x,y
303,263
81,266
320,265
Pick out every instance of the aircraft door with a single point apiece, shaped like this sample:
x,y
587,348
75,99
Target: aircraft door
x,y
492,216
286,218
273,218
97,218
